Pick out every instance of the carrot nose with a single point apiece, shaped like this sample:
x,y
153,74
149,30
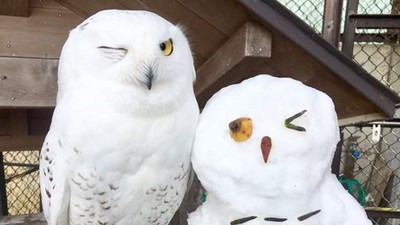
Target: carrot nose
x,y
266,145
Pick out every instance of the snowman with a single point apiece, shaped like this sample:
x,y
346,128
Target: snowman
x,y
263,152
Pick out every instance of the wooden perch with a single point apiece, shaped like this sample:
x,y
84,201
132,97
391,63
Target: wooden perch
x,y
33,219
379,180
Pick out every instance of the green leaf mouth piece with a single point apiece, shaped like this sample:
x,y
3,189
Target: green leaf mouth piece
x,y
288,122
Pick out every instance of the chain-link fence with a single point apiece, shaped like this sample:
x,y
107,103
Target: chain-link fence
x,y
22,182
370,160
310,11
376,50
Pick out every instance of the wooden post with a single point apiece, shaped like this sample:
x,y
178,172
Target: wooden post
x,y
349,28
332,18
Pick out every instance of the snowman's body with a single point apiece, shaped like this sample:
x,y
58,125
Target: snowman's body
x,y
292,183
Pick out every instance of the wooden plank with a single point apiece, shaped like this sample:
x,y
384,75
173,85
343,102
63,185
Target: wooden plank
x,y
46,4
21,143
28,83
204,38
33,219
379,180
14,8
228,16
38,219
89,7
361,118
42,35
237,58
25,143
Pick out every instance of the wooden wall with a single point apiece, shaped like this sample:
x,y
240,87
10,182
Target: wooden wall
x,y
31,43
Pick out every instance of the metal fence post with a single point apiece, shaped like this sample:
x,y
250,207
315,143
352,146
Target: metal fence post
x,y
3,194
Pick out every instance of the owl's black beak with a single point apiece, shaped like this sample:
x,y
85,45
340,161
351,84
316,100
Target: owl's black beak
x,y
149,78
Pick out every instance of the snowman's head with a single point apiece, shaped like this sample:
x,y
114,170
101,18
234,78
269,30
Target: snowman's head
x,y
294,132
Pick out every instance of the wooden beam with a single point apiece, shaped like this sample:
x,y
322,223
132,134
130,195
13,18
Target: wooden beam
x,y
42,35
238,58
28,83
47,4
89,7
19,138
203,36
14,8
226,16
26,143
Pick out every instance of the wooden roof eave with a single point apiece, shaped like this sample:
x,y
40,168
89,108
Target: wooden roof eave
x,y
272,14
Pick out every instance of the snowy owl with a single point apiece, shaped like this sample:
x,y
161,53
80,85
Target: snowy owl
x,y
263,151
118,149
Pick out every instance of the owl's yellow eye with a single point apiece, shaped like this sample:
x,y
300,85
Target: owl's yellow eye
x,y
167,47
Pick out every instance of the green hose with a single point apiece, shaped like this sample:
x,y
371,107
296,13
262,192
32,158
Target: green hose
x,y
351,184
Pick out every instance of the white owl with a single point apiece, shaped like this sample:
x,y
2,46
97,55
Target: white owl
x,y
263,151
119,145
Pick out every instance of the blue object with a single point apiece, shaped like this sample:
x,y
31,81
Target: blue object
x,y
355,153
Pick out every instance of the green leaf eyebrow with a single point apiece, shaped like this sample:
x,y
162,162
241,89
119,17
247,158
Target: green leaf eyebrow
x,y
288,121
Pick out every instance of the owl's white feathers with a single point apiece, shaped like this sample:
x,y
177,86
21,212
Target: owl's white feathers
x,y
118,149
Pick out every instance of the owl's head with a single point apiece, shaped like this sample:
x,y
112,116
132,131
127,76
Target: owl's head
x,y
136,48
265,137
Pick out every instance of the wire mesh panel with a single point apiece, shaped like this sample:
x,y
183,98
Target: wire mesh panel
x,y
310,11
370,168
376,50
22,182
375,6
382,60
373,166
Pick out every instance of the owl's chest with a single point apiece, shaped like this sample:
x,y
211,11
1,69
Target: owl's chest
x,y
146,196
